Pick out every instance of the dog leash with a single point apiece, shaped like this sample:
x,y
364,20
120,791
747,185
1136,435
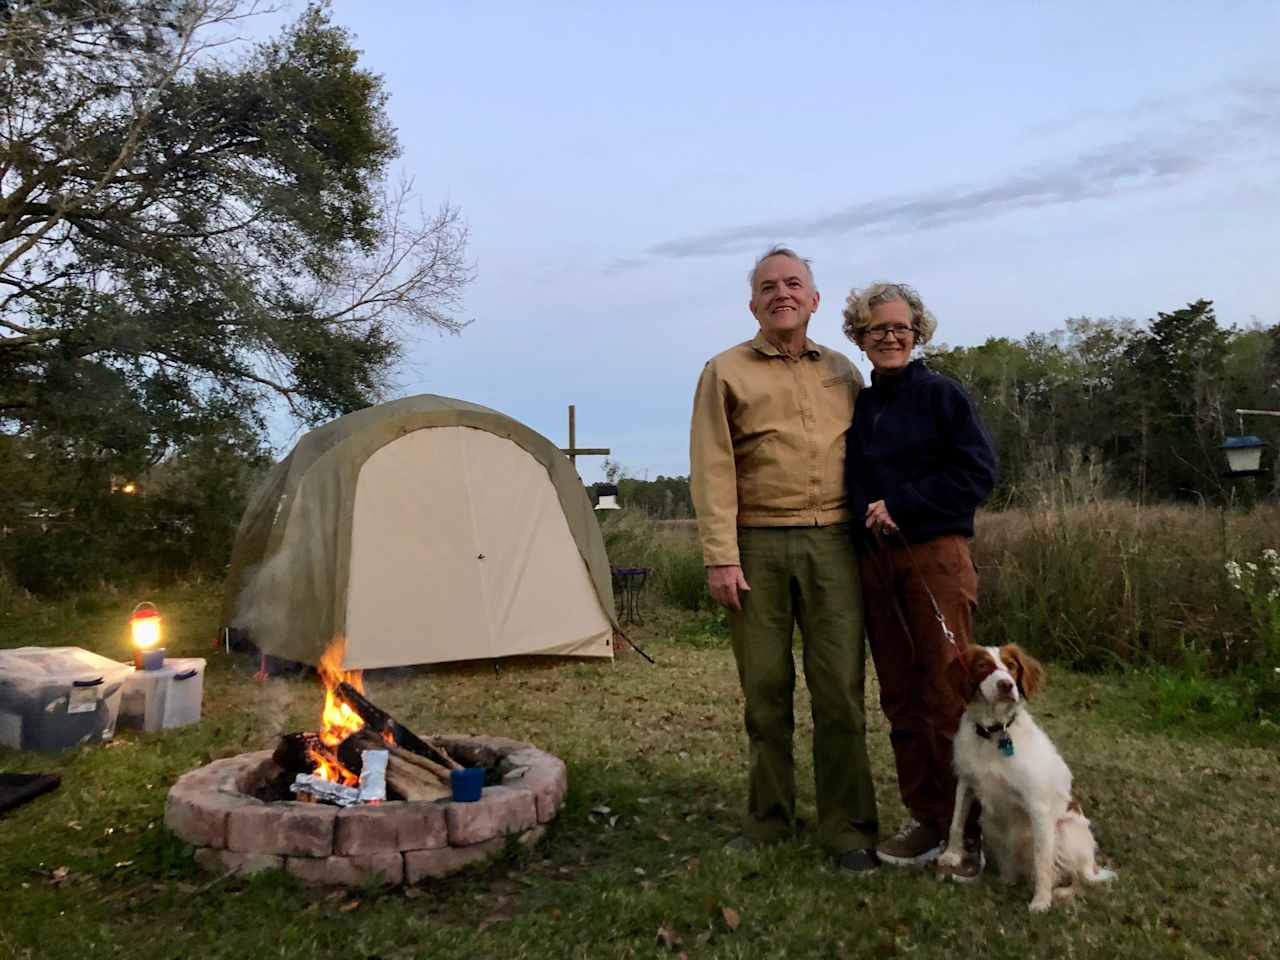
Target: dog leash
x,y
947,632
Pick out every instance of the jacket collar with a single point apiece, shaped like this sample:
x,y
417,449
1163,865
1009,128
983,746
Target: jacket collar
x,y
892,381
761,344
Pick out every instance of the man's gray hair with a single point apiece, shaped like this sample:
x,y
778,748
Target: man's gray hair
x,y
860,303
780,250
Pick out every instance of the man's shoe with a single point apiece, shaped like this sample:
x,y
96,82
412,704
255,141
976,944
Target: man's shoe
x,y
969,868
915,844
857,861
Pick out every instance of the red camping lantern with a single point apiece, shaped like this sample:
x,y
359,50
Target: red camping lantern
x,y
144,631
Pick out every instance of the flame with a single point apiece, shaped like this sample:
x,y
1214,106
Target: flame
x,y
339,721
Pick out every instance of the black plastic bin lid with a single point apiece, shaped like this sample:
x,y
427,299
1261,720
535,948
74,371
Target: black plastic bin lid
x,y
17,788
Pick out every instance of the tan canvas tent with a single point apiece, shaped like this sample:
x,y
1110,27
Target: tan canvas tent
x,y
423,530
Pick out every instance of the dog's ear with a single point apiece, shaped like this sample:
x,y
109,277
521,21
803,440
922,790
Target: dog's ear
x,y
960,675
1027,670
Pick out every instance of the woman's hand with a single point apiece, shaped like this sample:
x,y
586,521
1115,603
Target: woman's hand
x,y
878,519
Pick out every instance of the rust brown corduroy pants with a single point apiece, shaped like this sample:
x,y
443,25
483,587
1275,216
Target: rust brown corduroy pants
x,y
922,707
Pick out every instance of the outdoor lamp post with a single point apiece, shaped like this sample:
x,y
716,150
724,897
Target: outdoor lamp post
x,y
144,631
1244,455
1244,452
608,496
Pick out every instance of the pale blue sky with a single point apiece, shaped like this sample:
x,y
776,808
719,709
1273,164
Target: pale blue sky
x,y
620,167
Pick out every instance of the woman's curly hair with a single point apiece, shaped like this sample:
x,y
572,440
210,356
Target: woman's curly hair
x,y
859,304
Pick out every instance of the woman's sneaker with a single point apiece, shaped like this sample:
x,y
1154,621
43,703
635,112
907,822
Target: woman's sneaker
x,y
914,845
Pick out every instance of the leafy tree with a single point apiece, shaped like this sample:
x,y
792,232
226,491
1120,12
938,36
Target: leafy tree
x,y
189,236
186,237
1177,395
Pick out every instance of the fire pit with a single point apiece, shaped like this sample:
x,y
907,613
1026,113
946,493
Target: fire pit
x,y
217,808
240,815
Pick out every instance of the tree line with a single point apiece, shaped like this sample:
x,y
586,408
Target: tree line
x,y
1111,407
1100,408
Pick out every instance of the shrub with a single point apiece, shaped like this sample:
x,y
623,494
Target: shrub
x,y
633,538
1118,583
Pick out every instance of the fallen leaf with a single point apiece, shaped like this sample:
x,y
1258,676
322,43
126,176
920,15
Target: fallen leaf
x,y
732,919
74,825
123,863
60,874
664,837
602,810
613,821
640,871
667,936
349,906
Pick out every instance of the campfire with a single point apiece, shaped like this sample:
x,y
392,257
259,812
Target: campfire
x,y
361,754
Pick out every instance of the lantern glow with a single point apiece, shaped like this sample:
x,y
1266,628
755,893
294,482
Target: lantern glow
x,y
144,631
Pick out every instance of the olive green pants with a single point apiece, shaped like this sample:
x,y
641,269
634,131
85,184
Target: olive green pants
x,y
806,576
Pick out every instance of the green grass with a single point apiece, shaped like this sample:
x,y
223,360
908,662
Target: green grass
x,y
1186,812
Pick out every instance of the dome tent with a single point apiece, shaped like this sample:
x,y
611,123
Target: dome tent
x,y
423,530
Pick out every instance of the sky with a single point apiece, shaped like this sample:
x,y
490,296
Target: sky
x,y
621,166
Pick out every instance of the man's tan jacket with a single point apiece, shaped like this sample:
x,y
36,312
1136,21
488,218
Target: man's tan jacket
x,y
766,445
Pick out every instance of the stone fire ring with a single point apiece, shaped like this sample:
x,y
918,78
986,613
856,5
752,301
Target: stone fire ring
x,y
214,809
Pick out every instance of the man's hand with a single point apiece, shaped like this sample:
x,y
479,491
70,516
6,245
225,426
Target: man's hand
x,y
725,584
878,519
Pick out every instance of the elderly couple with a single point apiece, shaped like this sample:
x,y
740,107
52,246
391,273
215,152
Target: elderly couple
x,y
835,507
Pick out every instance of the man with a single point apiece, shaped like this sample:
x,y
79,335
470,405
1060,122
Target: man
x,y
767,459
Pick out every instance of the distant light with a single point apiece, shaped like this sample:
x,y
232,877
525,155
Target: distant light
x,y
129,487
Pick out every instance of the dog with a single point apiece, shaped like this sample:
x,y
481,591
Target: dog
x,y
1032,826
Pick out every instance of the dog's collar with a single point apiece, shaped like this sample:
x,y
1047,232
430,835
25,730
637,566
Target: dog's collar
x,y
987,732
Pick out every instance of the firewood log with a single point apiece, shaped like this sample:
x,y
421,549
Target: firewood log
x,y
382,722
408,756
414,783
293,752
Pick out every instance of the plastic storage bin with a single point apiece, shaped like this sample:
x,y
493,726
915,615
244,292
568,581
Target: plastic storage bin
x,y
164,698
52,698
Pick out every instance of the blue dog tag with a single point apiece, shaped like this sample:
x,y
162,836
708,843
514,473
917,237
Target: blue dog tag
x,y
1005,745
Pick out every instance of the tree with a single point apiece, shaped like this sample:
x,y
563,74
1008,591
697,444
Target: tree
x,y
187,238
1176,391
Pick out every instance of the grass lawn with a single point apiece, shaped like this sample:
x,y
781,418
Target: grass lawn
x,y
656,759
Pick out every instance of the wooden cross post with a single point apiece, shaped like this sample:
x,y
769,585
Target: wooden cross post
x,y
573,452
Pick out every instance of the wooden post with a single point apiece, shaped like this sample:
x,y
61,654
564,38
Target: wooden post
x,y
572,451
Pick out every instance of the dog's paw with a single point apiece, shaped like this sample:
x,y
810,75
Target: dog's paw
x,y
949,860
1040,903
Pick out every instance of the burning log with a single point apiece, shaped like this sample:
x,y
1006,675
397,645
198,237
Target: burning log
x,y
294,751
382,722
411,776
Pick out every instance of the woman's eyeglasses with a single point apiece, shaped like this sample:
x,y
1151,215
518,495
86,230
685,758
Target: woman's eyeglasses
x,y
878,334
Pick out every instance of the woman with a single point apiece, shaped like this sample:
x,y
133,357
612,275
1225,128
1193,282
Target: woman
x,y
919,462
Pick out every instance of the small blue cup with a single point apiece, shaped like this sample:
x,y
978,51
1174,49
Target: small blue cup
x,y
467,783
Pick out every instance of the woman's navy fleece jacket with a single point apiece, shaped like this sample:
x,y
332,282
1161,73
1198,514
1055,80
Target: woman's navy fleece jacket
x,y
917,443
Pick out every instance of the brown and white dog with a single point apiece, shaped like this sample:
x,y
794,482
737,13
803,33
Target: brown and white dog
x,y
1032,827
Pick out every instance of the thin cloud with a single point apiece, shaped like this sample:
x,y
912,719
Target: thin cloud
x,y
1120,169
1135,165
